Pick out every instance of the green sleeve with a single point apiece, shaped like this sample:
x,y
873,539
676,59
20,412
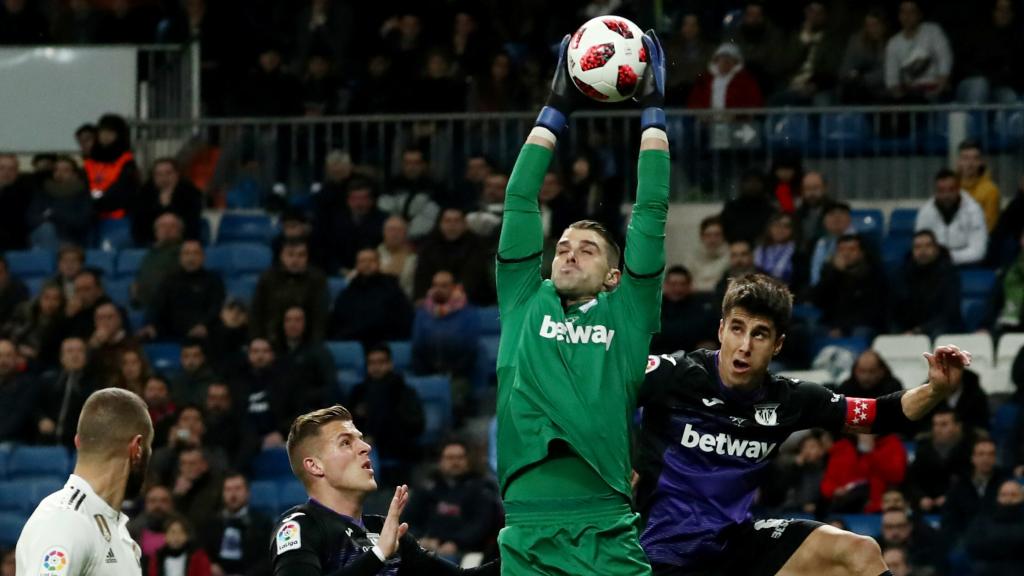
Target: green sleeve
x,y
644,259
522,238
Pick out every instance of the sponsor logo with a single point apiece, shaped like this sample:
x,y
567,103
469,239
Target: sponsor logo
x,y
569,332
836,398
652,364
738,421
777,526
55,561
111,559
764,414
709,402
289,537
726,445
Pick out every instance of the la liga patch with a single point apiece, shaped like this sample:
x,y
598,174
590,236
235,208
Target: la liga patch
x,y
55,562
289,537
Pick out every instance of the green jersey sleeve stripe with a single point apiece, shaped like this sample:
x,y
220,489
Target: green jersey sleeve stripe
x,y
518,260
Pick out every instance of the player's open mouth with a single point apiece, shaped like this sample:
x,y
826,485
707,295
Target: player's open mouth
x,y
368,466
740,366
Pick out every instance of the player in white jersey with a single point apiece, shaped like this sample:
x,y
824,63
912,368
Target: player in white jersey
x,y
80,530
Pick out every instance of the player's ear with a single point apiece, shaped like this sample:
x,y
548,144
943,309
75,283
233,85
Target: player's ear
x,y
778,344
78,442
612,279
313,467
721,329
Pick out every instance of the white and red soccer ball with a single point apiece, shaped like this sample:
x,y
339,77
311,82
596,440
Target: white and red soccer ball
x,y
607,58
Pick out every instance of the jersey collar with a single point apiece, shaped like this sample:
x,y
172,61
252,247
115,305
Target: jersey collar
x,y
99,504
345,517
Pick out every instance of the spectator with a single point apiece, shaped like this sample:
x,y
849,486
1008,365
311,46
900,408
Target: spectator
x,y
467,44
726,83
236,539
189,385
67,389
861,468
970,402
688,321
922,543
837,223
796,481
741,263
786,176
20,394
389,412
279,91
229,338
993,71
809,61
107,346
412,195
227,433
113,174
323,93
745,217
957,220
850,294
445,331
918,59
710,259
16,194
166,192
86,136
973,495
478,168
325,27
926,292
686,55
295,226
759,40
160,261
871,378
485,220
995,540
13,292
373,307
976,179
188,301
457,511
500,91
294,283
148,527
397,255
862,71
267,395
21,24
939,457
896,558
81,307
306,361
38,326
8,565
329,193
179,554
60,209
437,90
775,252
70,261
349,229
196,487
454,248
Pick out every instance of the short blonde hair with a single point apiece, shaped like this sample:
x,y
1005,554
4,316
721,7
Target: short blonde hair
x,y
306,427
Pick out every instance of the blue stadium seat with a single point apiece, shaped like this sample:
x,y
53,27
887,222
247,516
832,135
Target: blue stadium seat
x,y
35,285
205,232
271,464
973,311
128,262
806,312
16,497
39,489
348,355
844,133
864,524
335,285
243,287
401,355
30,263
347,381
788,131
1004,426
246,193
486,362
38,462
869,223
1009,128
10,529
102,260
114,234
901,222
164,356
120,291
136,319
290,493
895,250
489,324
218,259
249,258
436,395
977,282
245,228
263,497
936,130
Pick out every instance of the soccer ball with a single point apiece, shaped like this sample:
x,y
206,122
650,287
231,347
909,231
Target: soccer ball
x,y
607,58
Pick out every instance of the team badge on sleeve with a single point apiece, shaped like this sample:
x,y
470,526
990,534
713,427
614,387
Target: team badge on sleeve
x,y
860,413
55,562
652,363
289,537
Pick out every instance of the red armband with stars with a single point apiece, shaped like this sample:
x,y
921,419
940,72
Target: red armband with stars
x,y
860,414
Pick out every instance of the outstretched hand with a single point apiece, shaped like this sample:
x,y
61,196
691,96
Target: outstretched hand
x,y
651,92
946,368
393,529
565,96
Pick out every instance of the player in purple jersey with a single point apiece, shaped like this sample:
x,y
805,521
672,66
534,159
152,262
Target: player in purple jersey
x,y
712,422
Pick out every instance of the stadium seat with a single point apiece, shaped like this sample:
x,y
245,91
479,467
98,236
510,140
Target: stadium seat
x,y
136,319
249,258
38,462
1004,427
788,131
242,287
401,355
807,313
114,234
335,285
205,232
129,261
271,464
486,362
245,228
348,355
980,346
290,493
35,285
869,223
854,344
901,222
1008,347
244,194
816,376
977,283
263,497
102,260
895,250
937,129
489,324
120,291
164,356
30,263
16,497
39,489
1008,128
902,352
973,310
10,529
863,524
218,259
844,133
436,395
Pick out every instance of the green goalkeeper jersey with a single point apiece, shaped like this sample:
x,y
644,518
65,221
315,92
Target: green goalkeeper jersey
x,y
573,374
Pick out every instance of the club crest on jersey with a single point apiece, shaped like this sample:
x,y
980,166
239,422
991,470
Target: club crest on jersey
x,y
55,562
765,415
569,332
289,537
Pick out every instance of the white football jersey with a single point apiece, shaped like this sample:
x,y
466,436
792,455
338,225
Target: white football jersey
x,y
74,532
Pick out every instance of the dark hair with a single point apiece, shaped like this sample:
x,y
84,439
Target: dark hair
x,y
189,406
166,160
69,248
308,426
715,220
944,173
89,272
833,206
945,409
760,295
417,149
678,269
851,238
614,252
193,342
982,440
926,232
236,474
359,184
378,347
969,144
87,127
750,245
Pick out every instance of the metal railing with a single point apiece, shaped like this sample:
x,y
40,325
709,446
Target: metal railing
x,y
168,81
866,152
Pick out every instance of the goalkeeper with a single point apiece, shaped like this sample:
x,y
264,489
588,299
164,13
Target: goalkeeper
x,y
572,354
